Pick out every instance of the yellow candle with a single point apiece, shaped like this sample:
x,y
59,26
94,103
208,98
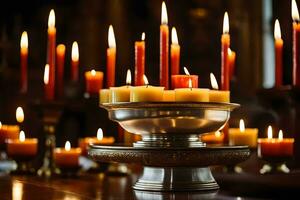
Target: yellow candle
x,y
242,136
104,96
191,94
169,95
216,95
121,94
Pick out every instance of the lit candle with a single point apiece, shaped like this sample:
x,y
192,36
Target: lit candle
x,y
296,41
50,87
146,93
231,60
225,43
24,62
191,94
212,138
20,115
182,81
74,62
164,48
99,140
278,54
169,95
139,47
67,157
121,94
111,58
60,63
217,95
93,81
175,53
8,132
243,136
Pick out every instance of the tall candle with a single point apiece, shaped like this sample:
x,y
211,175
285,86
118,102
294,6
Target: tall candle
x,y
225,44
60,63
24,62
164,48
74,62
296,45
231,60
111,58
278,54
175,53
139,47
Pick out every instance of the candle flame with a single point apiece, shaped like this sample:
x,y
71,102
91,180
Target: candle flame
x,y
99,134
61,48
242,126
0,125
75,52
226,23
93,72
164,14
186,71
67,146
111,37
146,82
295,12
229,52
143,36
24,40
270,132
213,82
128,77
280,135
218,134
277,31
46,74
51,19
22,136
20,114
174,36
190,84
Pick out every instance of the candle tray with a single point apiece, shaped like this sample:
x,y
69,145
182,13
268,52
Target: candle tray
x,y
171,152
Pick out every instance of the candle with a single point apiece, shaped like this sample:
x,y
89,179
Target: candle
x,y
8,132
243,136
104,96
60,63
296,41
50,87
74,62
111,58
20,115
231,60
191,94
22,147
164,48
99,140
212,138
182,81
67,157
175,53
225,43
146,93
24,61
169,95
275,147
121,94
278,54
93,81
217,95
139,47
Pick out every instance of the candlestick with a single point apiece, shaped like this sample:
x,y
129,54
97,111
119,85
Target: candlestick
x,y
296,45
121,94
175,53
217,95
225,43
67,157
164,48
74,62
278,54
93,81
139,47
111,58
24,62
60,63
191,94
231,60
182,81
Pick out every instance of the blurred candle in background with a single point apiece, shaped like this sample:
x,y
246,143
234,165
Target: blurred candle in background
x,y
225,44
175,53
20,115
74,62
296,45
24,62
278,54
164,48
139,47
111,58
46,82
93,81
231,60
60,63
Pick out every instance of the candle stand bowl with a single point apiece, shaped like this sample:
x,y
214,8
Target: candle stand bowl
x,y
173,157
275,164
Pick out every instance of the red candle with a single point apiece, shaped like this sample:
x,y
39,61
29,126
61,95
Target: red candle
x,y
175,53
231,60
182,81
278,54
24,60
225,43
93,81
74,62
164,48
296,45
111,58
67,157
60,63
139,48
50,87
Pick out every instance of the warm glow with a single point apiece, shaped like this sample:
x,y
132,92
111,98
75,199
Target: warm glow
x,y
51,19
213,82
99,134
93,72
24,40
242,126
46,74
226,23
67,146
186,71
146,82
17,190
174,36
295,12
270,132
277,31
20,114
111,37
75,52
190,83
61,48
218,134
143,36
128,77
229,52
0,125
22,136
164,14
280,135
